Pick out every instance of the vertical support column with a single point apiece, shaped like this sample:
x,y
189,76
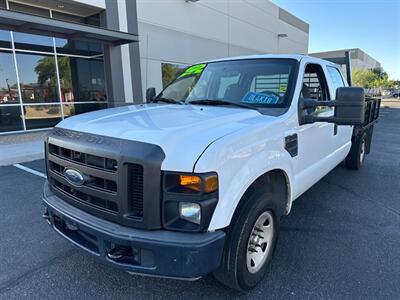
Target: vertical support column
x,y
134,51
348,67
122,63
18,82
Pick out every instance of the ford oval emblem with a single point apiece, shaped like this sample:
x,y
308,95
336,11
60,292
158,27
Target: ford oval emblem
x,y
74,177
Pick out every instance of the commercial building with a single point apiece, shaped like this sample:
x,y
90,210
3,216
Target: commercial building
x,y
359,59
63,57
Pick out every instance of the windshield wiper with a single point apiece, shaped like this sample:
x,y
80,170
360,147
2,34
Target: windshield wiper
x,y
221,102
168,100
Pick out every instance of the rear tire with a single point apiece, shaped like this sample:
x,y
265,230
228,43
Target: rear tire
x,y
355,158
255,228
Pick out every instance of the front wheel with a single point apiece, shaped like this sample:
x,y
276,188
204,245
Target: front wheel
x,y
250,243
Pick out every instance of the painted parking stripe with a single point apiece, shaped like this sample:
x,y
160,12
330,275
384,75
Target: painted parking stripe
x,y
29,170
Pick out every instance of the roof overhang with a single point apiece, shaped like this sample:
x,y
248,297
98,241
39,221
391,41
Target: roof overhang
x,y
22,22
336,60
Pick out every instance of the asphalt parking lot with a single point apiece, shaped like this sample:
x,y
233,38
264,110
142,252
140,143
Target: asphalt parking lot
x,y
341,241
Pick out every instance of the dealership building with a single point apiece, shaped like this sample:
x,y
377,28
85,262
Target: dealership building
x,y
359,59
59,58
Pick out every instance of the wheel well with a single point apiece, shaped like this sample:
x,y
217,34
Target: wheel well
x,y
278,183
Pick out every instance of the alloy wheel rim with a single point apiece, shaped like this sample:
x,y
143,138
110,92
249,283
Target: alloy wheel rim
x,y
260,242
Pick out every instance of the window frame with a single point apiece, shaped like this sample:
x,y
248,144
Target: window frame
x,y
324,82
268,110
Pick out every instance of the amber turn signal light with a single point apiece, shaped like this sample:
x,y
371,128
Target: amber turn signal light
x,y
195,182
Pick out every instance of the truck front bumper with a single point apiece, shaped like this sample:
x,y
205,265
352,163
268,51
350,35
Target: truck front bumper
x,y
148,252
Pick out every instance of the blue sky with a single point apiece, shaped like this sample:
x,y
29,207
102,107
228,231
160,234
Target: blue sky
x,y
371,25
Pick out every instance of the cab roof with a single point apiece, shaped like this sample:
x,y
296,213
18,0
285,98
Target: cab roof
x,y
297,57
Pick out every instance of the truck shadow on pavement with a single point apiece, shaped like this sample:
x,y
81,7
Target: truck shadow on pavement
x,y
330,246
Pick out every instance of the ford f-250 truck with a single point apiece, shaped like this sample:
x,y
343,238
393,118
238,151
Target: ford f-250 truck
x,y
196,180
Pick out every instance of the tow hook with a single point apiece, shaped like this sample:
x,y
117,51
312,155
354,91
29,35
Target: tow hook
x,y
118,253
46,216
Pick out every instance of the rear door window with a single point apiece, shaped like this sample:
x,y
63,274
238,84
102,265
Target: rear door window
x,y
336,80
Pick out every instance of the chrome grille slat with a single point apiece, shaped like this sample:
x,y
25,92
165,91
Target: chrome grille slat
x,y
85,189
83,168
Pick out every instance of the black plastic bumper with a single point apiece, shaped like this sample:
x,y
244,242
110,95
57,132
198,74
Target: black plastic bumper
x,y
158,252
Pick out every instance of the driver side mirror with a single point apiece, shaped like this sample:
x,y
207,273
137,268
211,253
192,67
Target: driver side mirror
x,y
150,94
349,108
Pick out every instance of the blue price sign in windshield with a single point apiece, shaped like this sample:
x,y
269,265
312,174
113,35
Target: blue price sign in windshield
x,y
260,98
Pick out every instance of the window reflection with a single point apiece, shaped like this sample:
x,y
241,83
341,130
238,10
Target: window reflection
x,y
10,118
65,46
42,116
37,74
75,109
8,79
5,39
81,80
25,41
170,72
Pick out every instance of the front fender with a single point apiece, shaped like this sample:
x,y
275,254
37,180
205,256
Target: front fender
x,y
239,160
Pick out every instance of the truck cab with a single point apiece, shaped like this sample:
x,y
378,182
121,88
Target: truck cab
x,y
196,180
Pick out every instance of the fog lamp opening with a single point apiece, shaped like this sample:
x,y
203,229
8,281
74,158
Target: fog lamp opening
x,y
190,212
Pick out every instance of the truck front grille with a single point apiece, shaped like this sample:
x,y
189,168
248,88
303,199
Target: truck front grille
x,y
100,191
122,178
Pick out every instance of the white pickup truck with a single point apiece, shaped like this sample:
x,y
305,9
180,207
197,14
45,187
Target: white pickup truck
x,y
196,180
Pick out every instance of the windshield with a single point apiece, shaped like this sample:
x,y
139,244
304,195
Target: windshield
x,y
256,82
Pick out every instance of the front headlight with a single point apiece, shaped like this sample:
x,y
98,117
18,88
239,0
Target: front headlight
x,y
189,200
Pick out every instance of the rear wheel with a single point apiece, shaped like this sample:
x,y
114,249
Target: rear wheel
x,y
355,158
250,242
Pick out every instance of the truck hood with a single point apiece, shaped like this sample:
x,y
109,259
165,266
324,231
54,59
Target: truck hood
x,y
182,131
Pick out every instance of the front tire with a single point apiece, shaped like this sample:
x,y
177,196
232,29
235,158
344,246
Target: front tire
x,y
250,242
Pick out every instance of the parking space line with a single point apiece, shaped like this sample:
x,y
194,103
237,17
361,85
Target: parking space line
x,y
29,170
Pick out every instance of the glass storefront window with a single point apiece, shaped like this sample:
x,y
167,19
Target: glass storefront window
x,y
37,75
93,20
65,46
42,99
10,118
5,39
33,10
81,80
68,17
26,41
8,79
42,116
